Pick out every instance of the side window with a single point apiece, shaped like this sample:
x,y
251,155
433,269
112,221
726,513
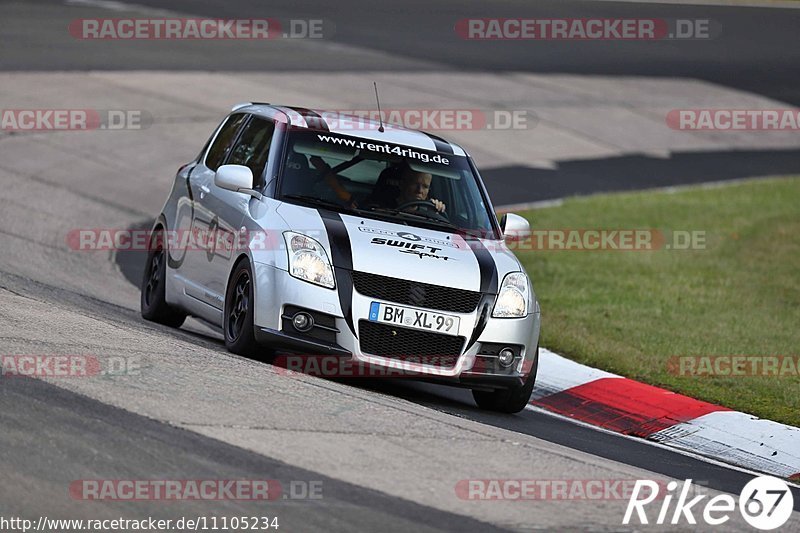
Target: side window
x,y
252,148
222,144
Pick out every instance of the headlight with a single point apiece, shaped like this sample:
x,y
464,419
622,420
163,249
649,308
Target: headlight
x,y
512,301
308,260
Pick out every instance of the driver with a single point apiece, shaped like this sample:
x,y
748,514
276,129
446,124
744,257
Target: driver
x,y
415,186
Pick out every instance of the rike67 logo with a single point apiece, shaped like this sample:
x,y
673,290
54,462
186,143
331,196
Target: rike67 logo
x,y
765,503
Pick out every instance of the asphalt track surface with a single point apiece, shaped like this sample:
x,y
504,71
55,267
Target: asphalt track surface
x,y
56,433
752,53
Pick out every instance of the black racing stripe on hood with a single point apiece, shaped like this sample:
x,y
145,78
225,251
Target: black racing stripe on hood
x,y
441,145
489,287
487,266
313,119
342,258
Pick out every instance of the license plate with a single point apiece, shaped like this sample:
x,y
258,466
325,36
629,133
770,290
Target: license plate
x,y
413,318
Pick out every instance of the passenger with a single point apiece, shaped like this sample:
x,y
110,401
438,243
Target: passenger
x,y
333,182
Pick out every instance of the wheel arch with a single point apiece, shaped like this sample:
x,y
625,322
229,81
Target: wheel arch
x,y
243,256
160,223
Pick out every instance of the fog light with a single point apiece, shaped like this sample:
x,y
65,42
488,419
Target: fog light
x,y
506,357
302,321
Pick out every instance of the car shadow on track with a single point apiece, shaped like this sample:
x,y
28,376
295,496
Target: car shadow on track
x,y
131,262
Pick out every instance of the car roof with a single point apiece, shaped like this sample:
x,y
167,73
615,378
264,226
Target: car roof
x,y
356,126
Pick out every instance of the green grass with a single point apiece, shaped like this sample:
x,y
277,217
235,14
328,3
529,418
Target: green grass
x,y
628,312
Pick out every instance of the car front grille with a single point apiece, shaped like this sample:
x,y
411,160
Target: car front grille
x,y
410,345
407,292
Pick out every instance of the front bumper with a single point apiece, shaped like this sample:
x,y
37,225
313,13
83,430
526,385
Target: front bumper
x,y
290,342
275,290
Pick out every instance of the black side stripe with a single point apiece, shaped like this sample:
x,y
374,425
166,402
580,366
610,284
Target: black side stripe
x,y
171,261
342,258
441,145
313,119
489,287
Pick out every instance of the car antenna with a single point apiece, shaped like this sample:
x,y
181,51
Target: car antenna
x,y
380,115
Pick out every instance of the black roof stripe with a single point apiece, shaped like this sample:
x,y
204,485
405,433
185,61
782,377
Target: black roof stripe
x,y
313,119
441,145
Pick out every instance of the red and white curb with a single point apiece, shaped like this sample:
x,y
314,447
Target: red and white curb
x,y
628,407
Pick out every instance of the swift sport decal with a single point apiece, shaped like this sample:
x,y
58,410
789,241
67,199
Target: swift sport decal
x,y
420,250
408,236
425,254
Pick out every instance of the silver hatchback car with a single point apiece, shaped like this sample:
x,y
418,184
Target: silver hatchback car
x,y
298,234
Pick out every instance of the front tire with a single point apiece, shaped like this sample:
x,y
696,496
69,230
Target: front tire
x,y
153,302
239,310
511,400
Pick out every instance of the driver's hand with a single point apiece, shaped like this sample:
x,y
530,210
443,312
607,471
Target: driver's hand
x,y
319,163
332,181
440,207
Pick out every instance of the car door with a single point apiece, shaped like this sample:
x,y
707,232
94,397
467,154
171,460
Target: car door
x,y
196,219
222,211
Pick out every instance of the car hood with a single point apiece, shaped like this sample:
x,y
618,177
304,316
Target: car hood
x,y
404,251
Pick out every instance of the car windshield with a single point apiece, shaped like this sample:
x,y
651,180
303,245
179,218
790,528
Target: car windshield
x,y
384,180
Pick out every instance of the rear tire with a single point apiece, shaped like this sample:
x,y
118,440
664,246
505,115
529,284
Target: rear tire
x,y
511,400
238,314
153,302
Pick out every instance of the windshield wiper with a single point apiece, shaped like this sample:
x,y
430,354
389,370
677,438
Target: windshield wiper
x,y
320,202
427,218
422,217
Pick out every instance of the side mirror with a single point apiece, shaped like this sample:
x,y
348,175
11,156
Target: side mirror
x,y
514,227
236,178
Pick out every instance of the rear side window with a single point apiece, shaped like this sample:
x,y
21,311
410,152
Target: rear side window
x,y
252,148
222,144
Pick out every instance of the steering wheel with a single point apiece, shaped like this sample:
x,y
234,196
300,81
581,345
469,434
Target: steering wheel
x,y
423,203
